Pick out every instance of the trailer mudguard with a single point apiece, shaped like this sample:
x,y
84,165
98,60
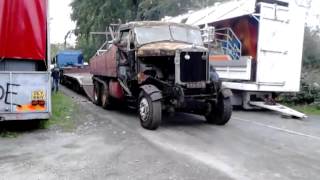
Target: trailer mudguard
x,y
153,91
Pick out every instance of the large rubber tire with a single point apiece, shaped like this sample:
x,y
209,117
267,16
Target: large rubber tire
x,y
76,86
150,112
96,94
105,97
221,113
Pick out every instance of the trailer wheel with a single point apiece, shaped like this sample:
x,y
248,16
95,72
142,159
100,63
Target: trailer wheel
x,y
96,93
221,113
150,112
105,98
76,86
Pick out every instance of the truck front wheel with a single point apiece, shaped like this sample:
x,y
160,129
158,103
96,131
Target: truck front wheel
x,y
150,112
221,112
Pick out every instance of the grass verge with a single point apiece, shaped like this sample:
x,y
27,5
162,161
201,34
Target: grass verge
x,y
308,109
8,134
63,110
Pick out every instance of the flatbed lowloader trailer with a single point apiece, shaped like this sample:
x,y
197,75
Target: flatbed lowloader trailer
x,y
25,83
78,79
256,48
74,73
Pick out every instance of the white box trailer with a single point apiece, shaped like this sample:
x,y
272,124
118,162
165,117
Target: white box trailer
x,y
261,43
24,95
25,79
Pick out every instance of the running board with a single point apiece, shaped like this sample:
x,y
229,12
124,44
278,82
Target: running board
x,y
279,108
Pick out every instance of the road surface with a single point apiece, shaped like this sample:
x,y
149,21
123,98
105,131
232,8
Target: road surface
x,y
112,145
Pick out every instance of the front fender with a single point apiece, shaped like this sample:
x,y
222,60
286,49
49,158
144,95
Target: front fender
x,y
152,91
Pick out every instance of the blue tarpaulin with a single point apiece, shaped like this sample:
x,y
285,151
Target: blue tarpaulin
x,y
69,58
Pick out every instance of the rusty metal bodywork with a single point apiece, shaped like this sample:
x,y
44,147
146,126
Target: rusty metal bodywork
x,y
163,49
105,64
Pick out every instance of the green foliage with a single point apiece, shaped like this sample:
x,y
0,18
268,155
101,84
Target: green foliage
x,y
8,134
311,49
308,109
96,15
155,10
55,48
309,94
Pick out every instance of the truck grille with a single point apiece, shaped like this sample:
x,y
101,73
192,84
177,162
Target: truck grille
x,y
194,69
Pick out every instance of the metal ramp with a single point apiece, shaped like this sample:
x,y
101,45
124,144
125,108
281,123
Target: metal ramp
x,y
85,82
88,89
279,108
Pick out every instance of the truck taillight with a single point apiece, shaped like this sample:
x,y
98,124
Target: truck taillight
x,y
34,103
41,102
38,102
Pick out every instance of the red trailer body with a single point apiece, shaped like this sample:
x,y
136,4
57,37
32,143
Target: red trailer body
x,y
105,64
23,29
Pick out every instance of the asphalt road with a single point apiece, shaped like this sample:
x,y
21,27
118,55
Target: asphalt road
x,y
112,145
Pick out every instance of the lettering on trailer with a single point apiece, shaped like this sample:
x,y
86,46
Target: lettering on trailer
x,y
5,93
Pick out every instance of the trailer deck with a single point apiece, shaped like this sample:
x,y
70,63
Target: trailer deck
x,y
83,81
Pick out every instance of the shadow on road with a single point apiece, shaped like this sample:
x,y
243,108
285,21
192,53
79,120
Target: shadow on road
x,y
8,128
177,119
182,119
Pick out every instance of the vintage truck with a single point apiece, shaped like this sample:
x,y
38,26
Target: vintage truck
x,y
156,67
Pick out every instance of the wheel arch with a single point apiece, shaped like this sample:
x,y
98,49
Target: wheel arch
x,y
98,80
154,92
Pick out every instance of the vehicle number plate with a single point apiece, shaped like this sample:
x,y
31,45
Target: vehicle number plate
x,y
38,95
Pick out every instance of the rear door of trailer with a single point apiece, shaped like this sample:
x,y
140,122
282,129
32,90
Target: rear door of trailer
x,y
280,44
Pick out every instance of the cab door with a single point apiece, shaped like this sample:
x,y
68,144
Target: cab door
x,y
125,55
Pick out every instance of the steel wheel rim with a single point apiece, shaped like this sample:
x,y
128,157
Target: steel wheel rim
x,y
95,95
144,109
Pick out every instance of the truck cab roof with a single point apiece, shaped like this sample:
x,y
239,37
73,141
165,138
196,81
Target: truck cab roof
x,y
134,24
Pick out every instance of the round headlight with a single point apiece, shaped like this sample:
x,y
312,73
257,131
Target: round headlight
x,y
187,57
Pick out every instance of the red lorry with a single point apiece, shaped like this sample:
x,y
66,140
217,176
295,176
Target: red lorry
x,y
25,91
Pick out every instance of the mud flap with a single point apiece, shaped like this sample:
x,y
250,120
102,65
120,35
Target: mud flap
x,y
153,91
